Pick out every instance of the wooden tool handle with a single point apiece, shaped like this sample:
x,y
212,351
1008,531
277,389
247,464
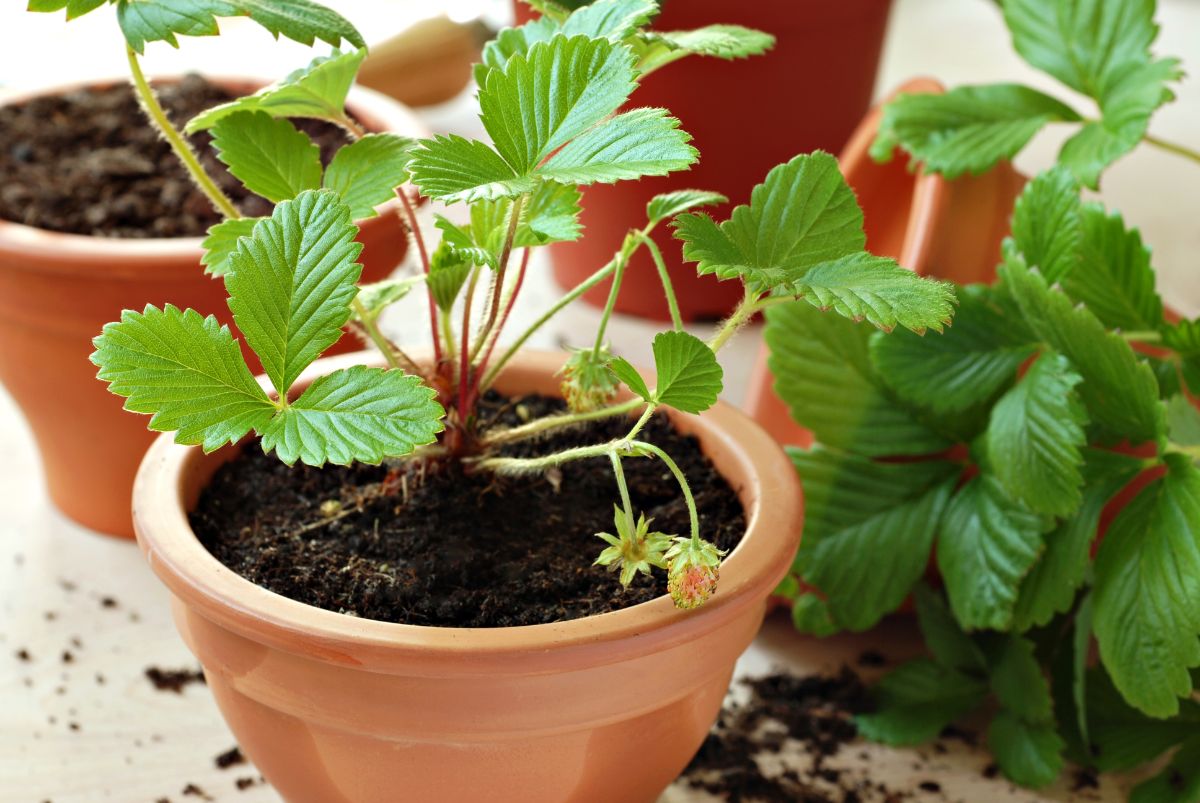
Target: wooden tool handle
x,y
426,64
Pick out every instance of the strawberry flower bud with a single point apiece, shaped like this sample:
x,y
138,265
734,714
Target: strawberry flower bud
x,y
587,383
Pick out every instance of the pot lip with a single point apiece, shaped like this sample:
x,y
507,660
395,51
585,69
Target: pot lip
x,y
750,460
64,252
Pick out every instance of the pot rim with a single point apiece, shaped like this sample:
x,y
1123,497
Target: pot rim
x,y
741,450
68,253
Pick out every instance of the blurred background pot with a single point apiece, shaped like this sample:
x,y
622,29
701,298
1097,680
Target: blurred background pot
x,y
746,117
58,290
602,709
951,229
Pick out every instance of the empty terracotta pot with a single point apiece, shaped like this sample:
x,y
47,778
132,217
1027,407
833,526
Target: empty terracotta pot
x,y
931,225
746,116
58,290
605,709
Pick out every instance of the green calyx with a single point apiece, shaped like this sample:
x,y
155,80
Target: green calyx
x,y
634,548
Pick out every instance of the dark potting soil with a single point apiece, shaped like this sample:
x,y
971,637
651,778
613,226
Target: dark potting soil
x,y
89,162
427,544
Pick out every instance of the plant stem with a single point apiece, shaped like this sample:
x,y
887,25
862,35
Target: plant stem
x,y
541,425
1171,147
464,357
410,214
693,514
665,277
498,280
179,145
394,355
1149,336
613,292
508,308
641,422
347,122
447,334
744,312
625,501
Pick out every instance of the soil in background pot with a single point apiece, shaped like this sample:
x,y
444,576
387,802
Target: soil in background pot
x,y
89,162
424,544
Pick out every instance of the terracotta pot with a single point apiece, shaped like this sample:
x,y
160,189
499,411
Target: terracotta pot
x,y
58,290
934,226
334,709
746,117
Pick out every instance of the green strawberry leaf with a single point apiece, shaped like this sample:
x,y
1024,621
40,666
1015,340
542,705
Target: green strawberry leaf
x,y
187,371
303,21
367,172
1035,435
222,241
355,414
1116,281
270,156
670,204
1019,683
377,296
951,647
656,49
1122,736
1119,390
75,8
917,700
1027,753
625,372
1147,591
550,215
960,369
988,543
449,269
968,129
810,614
689,376
823,373
452,168
1047,224
642,142
868,529
1178,782
318,91
292,281
1050,587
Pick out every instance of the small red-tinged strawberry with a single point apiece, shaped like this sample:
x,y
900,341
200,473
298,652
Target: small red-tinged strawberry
x,y
693,567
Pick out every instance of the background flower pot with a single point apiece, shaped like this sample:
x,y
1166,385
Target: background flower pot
x,y
58,290
825,59
608,708
951,229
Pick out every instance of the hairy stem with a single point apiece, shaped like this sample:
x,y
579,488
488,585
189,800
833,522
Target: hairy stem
x,y
613,292
625,501
744,312
179,145
1171,147
464,357
395,356
552,422
665,277
508,308
693,514
347,122
641,422
410,215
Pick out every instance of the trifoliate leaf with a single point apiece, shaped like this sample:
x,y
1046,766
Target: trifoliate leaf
x,y
670,204
1119,390
868,529
221,243
449,269
962,368
823,373
75,8
810,614
451,169
1147,591
1081,43
642,142
377,296
951,647
1050,587
1047,224
1035,435
1028,753
876,288
1115,279
1178,782
656,49
689,376
319,91
292,281
1123,736
300,20
918,699
988,542
1183,421
625,372
802,214
968,129
367,172
1019,683
355,414
271,157
1126,106
187,371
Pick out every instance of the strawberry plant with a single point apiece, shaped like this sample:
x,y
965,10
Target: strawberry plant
x,y
1063,396
553,98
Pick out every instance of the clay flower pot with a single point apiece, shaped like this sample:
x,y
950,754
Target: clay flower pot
x,y
807,93
333,708
58,290
951,229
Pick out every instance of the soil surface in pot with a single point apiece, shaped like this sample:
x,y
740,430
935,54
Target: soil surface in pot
x,y
89,162
425,544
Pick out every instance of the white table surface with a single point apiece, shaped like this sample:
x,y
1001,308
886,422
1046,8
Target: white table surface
x,y
133,743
